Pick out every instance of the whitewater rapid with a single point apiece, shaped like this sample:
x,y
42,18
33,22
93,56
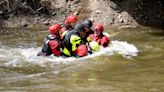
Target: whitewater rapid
x,y
15,56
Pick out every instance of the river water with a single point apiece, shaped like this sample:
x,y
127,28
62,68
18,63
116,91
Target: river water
x,y
115,69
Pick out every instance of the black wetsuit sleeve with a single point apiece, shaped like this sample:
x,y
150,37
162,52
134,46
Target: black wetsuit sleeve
x,y
46,49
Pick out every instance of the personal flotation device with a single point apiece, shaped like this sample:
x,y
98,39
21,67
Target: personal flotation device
x,y
71,43
102,40
52,45
81,50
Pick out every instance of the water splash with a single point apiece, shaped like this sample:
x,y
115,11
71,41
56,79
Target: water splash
x,y
16,56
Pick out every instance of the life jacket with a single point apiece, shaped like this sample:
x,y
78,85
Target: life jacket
x,y
102,39
70,41
81,50
52,45
55,47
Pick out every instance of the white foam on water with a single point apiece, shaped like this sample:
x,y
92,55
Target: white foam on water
x,y
124,48
15,56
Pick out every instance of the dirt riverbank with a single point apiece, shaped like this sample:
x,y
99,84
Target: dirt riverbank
x,y
113,13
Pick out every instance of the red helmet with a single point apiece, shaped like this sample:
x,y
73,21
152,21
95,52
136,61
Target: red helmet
x,y
71,18
54,28
99,27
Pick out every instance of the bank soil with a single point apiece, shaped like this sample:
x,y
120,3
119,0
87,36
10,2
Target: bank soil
x,y
113,13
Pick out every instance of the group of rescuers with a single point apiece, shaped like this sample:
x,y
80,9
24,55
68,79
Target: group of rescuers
x,y
74,39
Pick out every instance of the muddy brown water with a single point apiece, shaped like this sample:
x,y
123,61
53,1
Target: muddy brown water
x,y
143,73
